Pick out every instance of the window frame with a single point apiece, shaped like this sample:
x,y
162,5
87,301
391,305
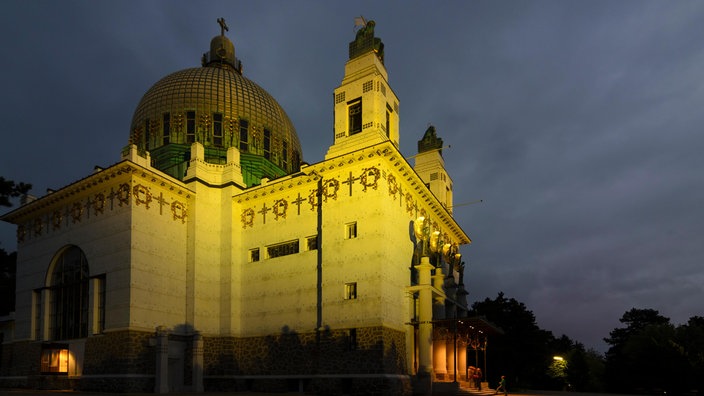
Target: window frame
x,y
354,116
351,230
351,291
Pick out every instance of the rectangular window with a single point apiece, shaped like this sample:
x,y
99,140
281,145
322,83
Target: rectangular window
x,y
253,255
217,129
267,144
312,243
147,133
284,154
351,230
100,304
190,127
244,140
55,359
351,291
166,137
388,120
282,249
355,116
37,296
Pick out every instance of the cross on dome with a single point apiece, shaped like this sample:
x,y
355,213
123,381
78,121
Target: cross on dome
x,y
223,26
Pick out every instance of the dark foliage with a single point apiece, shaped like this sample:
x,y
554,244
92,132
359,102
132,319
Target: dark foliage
x,y
10,189
8,271
650,355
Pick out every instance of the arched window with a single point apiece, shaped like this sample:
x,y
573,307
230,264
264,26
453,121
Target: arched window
x,y
69,295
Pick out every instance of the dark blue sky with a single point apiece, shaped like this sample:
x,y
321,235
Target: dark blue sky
x,y
578,123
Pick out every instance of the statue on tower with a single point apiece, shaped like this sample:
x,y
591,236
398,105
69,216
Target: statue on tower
x,y
365,41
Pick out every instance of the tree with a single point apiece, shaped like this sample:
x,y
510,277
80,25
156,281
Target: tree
x,y
8,262
10,189
643,356
521,353
690,343
8,272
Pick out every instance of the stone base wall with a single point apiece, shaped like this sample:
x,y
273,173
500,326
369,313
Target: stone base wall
x,y
365,361
18,362
332,362
20,359
121,352
119,362
372,350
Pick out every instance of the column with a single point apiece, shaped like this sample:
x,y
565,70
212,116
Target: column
x,y
425,326
440,357
161,378
450,354
197,362
461,361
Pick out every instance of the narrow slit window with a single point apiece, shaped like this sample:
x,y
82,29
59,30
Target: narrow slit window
x,y
351,230
244,136
351,291
267,144
312,243
254,255
190,127
217,129
166,136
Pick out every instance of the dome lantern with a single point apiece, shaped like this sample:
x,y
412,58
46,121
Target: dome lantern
x,y
222,51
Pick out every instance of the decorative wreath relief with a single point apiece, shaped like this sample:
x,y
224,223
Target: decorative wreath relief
x,y
38,225
330,188
56,219
99,203
76,212
248,218
141,195
312,199
179,211
280,207
123,194
409,203
393,186
370,178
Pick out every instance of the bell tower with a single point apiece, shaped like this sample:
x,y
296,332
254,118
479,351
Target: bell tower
x,y
430,166
365,106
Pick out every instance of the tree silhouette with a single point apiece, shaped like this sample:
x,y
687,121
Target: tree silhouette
x,y
522,352
652,355
10,189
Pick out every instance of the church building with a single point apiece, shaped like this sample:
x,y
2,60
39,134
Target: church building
x,y
212,257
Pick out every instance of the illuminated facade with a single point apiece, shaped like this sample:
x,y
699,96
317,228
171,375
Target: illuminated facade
x,y
212,257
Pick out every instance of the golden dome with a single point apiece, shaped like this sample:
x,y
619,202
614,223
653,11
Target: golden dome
x,y
218,107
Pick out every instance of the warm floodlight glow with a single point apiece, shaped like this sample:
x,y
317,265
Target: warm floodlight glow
x,y
419,228
558,358
434,241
